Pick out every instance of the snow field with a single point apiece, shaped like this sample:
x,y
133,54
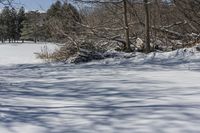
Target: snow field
x,y
142,94
18,53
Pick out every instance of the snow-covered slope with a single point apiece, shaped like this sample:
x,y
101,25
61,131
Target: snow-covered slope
x,y
142,94
187,58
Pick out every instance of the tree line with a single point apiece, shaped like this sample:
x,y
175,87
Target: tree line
x,y
163,23
36,26
160,24
11,23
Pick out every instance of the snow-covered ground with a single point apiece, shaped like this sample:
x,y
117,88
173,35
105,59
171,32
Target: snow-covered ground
x,y
18,53
158,93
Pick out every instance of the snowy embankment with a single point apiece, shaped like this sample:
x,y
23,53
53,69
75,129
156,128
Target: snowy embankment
x,y
187,59
157,93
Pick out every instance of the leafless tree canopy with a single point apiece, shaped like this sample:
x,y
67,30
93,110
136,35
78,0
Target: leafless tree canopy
x,y
125,20
159,24
6,2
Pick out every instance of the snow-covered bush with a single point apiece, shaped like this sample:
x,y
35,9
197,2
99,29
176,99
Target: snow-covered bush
x,y
82,52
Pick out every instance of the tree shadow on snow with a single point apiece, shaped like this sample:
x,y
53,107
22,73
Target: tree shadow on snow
x,y
69,100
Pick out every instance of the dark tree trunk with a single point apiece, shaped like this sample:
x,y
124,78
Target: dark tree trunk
x,y
147,27
126,26
35,40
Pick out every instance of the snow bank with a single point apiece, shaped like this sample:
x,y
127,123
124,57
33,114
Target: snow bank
x,y
12,54
188,58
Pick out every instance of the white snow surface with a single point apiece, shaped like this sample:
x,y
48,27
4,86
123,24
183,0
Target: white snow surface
x,y
155,93
22,53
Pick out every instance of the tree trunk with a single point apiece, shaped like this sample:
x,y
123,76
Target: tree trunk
x,y
147,27
126,25
35,39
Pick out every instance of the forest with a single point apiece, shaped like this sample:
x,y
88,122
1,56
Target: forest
x,y
124,25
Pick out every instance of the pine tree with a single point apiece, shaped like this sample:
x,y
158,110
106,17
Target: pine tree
x,y
31,26
13,25
27,31
64,17
3,29
5,18
20,18
55,10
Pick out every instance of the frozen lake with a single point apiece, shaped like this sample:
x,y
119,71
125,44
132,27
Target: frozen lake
x,y
109,96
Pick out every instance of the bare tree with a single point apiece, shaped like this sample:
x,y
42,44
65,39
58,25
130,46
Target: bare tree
x,y
6,2
126,26
191,12
147,27
124,15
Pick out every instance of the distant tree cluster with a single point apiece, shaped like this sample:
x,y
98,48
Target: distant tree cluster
x,y
11,23
159,24
34,27
60,18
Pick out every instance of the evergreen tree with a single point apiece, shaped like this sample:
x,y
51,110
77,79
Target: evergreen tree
x,y
12,29
20,18
5,18
11,23
31,26
27,31
64,17
55,10
3,29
